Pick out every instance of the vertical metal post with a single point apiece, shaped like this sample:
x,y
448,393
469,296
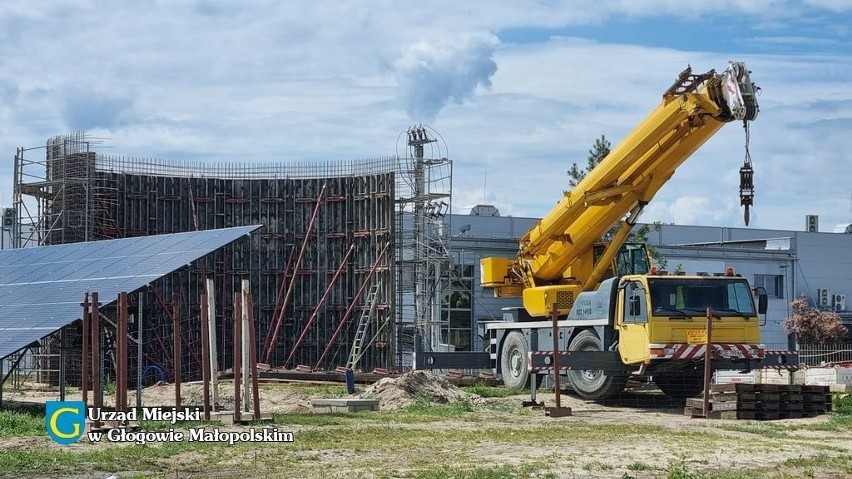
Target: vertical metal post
x,y
139,352
176,349
246,345
211,329
62,349
205,357
96,357
558,410
255,393
557,386
87,332
708,356
121,355
237,355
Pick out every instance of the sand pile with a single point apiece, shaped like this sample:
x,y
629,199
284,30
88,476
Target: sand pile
x,y
394,393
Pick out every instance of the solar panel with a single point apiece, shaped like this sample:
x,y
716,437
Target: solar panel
x,y
41,289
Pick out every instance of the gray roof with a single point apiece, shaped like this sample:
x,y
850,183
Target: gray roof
x,y
42,289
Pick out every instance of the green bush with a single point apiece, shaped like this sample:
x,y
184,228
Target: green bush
x,y
843,405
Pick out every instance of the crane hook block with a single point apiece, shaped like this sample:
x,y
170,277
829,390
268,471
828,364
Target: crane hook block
x,y
746,189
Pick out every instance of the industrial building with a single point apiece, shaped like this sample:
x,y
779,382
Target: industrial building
x,y
788,264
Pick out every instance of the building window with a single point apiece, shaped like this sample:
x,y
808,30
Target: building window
x,y
772,283
456,307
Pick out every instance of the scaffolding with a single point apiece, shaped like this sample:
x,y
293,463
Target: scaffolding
x,y
73,193
423,241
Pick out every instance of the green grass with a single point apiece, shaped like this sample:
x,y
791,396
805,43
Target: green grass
x,y
487,472
413,442
21,423
638,466
836,422
112,458
423,410
842,462
309,389
483,390
109,388
312,419
166,425
764,429
425,405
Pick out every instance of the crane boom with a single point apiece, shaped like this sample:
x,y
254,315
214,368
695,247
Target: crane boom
x,y
556,257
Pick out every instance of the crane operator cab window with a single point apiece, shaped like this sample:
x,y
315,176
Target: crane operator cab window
x,y
635,309
674,297
632,258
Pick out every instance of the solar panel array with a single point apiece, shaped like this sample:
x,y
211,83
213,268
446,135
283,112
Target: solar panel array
x,y
41,289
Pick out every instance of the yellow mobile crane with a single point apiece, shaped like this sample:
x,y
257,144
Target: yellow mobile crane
x,y
607,299
557,259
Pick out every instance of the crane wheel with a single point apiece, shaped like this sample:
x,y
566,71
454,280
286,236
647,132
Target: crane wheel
x,y
513,361
593,384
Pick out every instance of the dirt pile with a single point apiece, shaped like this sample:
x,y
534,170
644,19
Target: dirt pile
x,y
394,393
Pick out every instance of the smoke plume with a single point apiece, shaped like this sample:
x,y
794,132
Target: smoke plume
x,y
431,74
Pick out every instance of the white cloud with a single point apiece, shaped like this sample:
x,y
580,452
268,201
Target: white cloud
x,y
317,81
431,74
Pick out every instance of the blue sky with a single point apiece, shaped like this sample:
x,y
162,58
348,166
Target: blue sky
x,y
518,90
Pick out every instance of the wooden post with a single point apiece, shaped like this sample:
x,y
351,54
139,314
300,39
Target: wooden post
x,y
211,330
205,358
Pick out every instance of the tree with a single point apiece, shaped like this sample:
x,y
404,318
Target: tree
x,y
812,325
596,155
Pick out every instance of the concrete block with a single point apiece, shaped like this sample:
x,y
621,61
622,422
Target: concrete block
x,y
820,376
342,405
726,376
844,376
841,388
774,376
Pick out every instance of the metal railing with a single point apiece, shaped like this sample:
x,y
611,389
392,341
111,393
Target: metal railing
x,y
820,354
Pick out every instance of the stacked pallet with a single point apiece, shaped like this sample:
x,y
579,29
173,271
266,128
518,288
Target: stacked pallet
x,y
722,405
762,401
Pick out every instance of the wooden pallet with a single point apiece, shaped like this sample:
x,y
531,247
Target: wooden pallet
x,y
762,402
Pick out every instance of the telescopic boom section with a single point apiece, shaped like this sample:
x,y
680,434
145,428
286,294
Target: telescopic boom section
x,y
554,262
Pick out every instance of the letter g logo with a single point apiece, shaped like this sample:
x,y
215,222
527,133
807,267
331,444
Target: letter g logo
x,y
65,420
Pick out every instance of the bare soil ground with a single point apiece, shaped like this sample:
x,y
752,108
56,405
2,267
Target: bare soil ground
x,y
642,435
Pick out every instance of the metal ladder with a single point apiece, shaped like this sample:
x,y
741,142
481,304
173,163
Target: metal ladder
x,y
363,324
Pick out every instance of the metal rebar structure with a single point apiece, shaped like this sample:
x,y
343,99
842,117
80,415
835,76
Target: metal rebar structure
x,y
74,194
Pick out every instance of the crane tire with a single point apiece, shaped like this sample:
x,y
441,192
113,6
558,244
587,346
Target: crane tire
x,y
513,361
594,385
